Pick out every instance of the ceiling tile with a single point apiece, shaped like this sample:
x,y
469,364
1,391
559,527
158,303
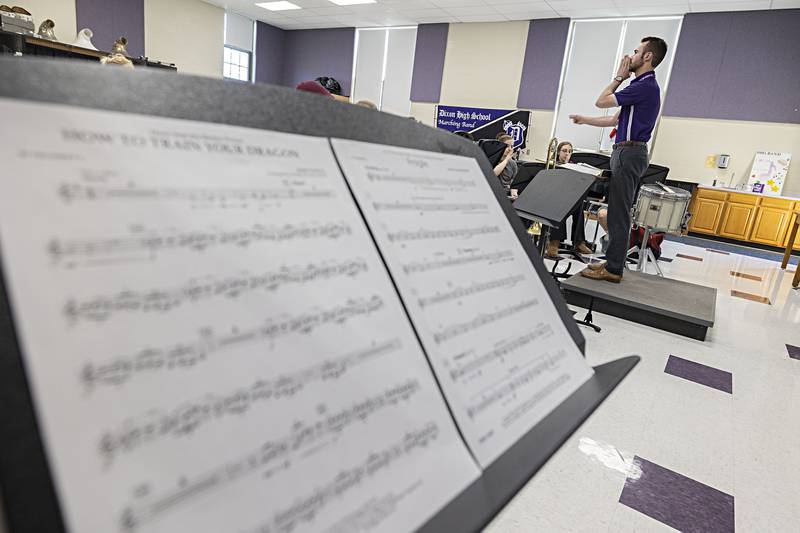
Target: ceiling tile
x,y
588,13
483,18
661,9
470,10
699,7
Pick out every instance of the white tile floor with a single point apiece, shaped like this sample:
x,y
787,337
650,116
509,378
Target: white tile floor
x,y
746,444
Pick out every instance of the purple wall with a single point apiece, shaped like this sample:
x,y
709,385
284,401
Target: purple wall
x,y
426,81
309,54
541,71
270,49
739,65
108,20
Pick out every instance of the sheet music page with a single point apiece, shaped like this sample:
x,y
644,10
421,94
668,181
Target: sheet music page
x,y
213,342
501,352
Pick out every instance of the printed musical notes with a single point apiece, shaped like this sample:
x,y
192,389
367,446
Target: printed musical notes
x,y
492,334
457,260
76,192
211,338
419,206
461,233
482,319
302,438
101,308
187,354
149,243
474,288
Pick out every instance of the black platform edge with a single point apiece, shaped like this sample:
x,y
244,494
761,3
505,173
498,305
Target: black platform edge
x,y
479,503
640,316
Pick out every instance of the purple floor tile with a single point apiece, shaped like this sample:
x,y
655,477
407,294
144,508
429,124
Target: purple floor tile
x,y
794,351
676,500
699,373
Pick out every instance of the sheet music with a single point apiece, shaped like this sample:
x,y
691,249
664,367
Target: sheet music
x,y
213,342
502,354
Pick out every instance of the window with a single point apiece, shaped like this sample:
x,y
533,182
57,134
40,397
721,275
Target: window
x,y
236,65
384,63
239,37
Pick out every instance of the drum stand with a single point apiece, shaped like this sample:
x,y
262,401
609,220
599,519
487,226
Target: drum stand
x,y
645,254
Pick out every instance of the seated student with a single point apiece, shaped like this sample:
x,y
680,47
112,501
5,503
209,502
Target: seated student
x,y
563,155
313,87
507,168
602,219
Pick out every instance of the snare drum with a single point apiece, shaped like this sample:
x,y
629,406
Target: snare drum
x,y
661,208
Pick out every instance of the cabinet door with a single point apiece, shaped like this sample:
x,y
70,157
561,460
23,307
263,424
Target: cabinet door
x,y
737,221
770,226
706,216
792,217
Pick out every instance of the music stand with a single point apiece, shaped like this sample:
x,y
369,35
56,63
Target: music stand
x,y
551,197
527,170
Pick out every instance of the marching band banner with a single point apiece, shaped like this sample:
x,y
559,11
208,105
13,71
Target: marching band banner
x,y
485,123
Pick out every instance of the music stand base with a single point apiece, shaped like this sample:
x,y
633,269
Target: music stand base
x,y
588,319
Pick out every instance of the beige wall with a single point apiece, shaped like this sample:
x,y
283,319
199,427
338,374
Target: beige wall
x,y
683,144
483,64
476,75
189,33
62,12
424,112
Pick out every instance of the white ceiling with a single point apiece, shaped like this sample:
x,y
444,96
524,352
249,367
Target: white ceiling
x,y
324,14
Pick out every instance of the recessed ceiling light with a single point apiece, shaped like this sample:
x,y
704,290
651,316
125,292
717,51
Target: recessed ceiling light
x,y
278,6
352,2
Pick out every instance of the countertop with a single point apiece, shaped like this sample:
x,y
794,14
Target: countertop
x,y
725,189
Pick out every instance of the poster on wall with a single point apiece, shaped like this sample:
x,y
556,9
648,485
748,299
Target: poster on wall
x,y
769,172
485,123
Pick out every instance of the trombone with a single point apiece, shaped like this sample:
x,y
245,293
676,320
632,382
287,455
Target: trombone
x,y
549,162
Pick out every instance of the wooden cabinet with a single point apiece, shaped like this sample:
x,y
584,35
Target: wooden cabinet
x,y
742,216
739,215
797,237
772,221
707,208
706,215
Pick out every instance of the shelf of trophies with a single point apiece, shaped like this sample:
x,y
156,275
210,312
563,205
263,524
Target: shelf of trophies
x,y
17,37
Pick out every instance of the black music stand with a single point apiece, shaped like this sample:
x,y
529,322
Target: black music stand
x,y
527,170
551,197
27,488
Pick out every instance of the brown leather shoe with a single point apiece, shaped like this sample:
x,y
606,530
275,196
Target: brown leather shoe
x,y
596,266
601,274
552,249
583,248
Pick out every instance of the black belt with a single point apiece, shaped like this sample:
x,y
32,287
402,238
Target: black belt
x,y
630,143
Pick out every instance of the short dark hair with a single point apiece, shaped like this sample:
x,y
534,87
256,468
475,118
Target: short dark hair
x,y
330,84
465,134
657,47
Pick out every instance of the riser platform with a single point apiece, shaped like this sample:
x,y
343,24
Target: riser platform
x,y
667,304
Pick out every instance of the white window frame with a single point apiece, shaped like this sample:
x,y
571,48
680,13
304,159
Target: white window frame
x,y
249,64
